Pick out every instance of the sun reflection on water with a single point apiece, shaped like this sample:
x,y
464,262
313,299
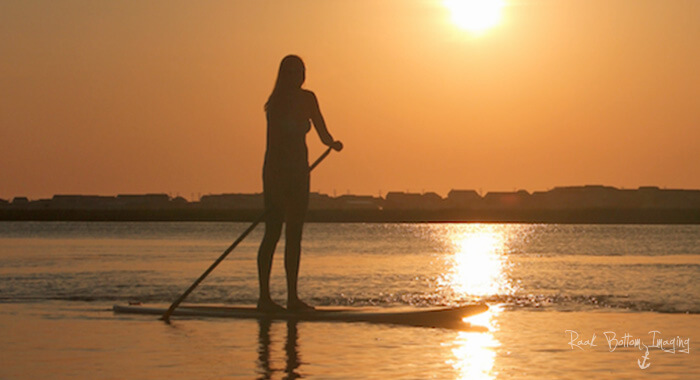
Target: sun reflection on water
x,y
475,352
476,264
477,267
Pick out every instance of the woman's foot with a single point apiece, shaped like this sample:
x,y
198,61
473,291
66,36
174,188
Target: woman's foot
x,y
268,306
298,305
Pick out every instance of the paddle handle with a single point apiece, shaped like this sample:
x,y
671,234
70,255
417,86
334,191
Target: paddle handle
x,y
171,309
320,158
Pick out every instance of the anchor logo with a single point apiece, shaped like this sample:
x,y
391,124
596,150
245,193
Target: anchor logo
x,y
643,364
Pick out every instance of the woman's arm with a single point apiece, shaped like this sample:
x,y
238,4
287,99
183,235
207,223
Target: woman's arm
x,y
320,123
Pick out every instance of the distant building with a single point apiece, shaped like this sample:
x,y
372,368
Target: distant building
x,y
318,201
41,204
145,201
358,202
233,201
179,202
577,197
463,199
653,197
413,201
4,203
20,201
507,200
83,202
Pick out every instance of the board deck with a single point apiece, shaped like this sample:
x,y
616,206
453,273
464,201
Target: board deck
x,y
445,317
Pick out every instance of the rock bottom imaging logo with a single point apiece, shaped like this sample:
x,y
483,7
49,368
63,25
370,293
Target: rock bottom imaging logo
x,y
655,340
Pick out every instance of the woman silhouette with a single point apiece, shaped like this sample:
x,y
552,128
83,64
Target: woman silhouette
x,y
286,176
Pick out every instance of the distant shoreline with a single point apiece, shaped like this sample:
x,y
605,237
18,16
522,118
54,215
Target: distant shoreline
x,y
568,216
590,204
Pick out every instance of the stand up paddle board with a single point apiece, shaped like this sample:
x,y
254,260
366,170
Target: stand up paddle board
x,y
444,317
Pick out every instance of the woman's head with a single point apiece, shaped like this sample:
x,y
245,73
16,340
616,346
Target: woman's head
x,y
290,77
291,74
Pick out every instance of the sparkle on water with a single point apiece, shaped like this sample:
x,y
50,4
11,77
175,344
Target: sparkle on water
x,y
476,262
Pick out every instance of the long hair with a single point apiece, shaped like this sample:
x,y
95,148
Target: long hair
x,y
290,77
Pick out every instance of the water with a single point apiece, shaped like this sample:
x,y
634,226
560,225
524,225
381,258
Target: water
x,y
58,281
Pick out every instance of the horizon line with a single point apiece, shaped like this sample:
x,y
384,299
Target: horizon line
x,y
480,192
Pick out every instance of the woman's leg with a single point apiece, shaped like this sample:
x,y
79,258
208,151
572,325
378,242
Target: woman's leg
x,y
292,256
295,215
273,230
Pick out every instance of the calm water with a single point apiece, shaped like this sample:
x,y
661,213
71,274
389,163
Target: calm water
x,y
58,281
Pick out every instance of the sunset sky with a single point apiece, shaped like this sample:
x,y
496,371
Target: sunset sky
x,y
113,97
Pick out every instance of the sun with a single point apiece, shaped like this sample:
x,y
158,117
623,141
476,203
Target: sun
x,y
475,15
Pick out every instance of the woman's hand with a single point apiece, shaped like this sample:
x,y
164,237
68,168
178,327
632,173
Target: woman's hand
x,y
337,146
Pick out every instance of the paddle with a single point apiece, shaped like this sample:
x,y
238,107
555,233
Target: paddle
x,y
166,316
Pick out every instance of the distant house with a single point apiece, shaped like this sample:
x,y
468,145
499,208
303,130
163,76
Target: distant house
x,y
20,201
179,202
358,202
578,197
83,202
318,201
653,197
4,203
413,201
508,200
145,201
462,199
233,201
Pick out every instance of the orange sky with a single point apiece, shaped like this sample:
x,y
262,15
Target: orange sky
x,y
167,96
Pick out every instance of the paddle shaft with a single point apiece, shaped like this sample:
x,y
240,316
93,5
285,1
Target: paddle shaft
x,y
166,315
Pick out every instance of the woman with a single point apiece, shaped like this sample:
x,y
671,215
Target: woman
x,y
290,109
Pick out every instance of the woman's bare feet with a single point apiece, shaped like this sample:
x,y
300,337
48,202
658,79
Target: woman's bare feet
x,y
298,305
268,306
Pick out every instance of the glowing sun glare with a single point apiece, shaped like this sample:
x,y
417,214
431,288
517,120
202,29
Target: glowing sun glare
x,y
475,15
478,266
